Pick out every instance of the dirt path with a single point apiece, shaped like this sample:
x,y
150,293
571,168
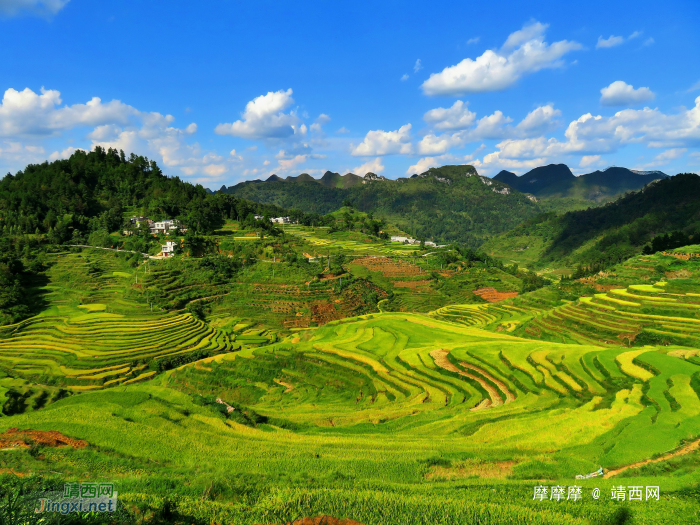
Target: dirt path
x,y
690,447
440,358
500,384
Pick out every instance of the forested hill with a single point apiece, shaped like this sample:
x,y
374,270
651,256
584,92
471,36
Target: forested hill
x,y
93,191
610,233
451,203
556,180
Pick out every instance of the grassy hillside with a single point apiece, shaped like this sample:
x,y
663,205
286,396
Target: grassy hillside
x,y
606,234
451,203
389,418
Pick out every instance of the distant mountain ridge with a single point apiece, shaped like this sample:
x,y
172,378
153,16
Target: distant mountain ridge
x,y
610,233
557,180
450,203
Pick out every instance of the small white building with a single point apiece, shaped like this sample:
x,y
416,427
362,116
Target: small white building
x,y
280,220
165,226
169,248
258,217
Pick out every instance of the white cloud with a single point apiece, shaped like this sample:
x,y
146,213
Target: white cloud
x,y
66,153
590,160
495,126
379,142
524,52
438,144
614,41
665,157
264,118
26,113
456,117
417,66
14,153
423,165
594,135
491,126
474,40
619,93
343,130
493,163
611,41
317,126
539,121
404,78
40,7
374,166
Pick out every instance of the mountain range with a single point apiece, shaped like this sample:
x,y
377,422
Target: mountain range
x,y
450,203
557,180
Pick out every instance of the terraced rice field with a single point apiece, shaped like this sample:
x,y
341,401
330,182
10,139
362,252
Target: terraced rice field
x,y
637,314
102,349
383,369
323,243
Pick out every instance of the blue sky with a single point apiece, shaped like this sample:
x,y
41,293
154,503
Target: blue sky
x,y
219,91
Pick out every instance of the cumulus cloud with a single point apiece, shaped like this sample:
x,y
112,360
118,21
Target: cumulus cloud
x,y
26,113
619,93
40,7
264,118
65,154
343,130
417,66
404,78
665,157
490,127
37,116
539,121
453,118
611,41
16,153
590,160
379,142
317,126
474,40
594,135
524,52
371,166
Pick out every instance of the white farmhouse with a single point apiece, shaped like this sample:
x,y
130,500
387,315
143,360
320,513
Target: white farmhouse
x,y
165,226
169,248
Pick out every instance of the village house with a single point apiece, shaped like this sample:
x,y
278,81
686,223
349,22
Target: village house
x,y
280,220
169,248
135,223
166,226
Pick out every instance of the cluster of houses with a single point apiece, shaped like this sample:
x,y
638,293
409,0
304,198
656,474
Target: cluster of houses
x,y
276,220
411,240
156,227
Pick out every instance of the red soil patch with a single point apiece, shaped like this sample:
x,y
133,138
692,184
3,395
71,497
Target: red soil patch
x,y
14,437
389,267
493,296
323,520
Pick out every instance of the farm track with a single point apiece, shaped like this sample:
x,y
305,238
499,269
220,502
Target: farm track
x,y
687,449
